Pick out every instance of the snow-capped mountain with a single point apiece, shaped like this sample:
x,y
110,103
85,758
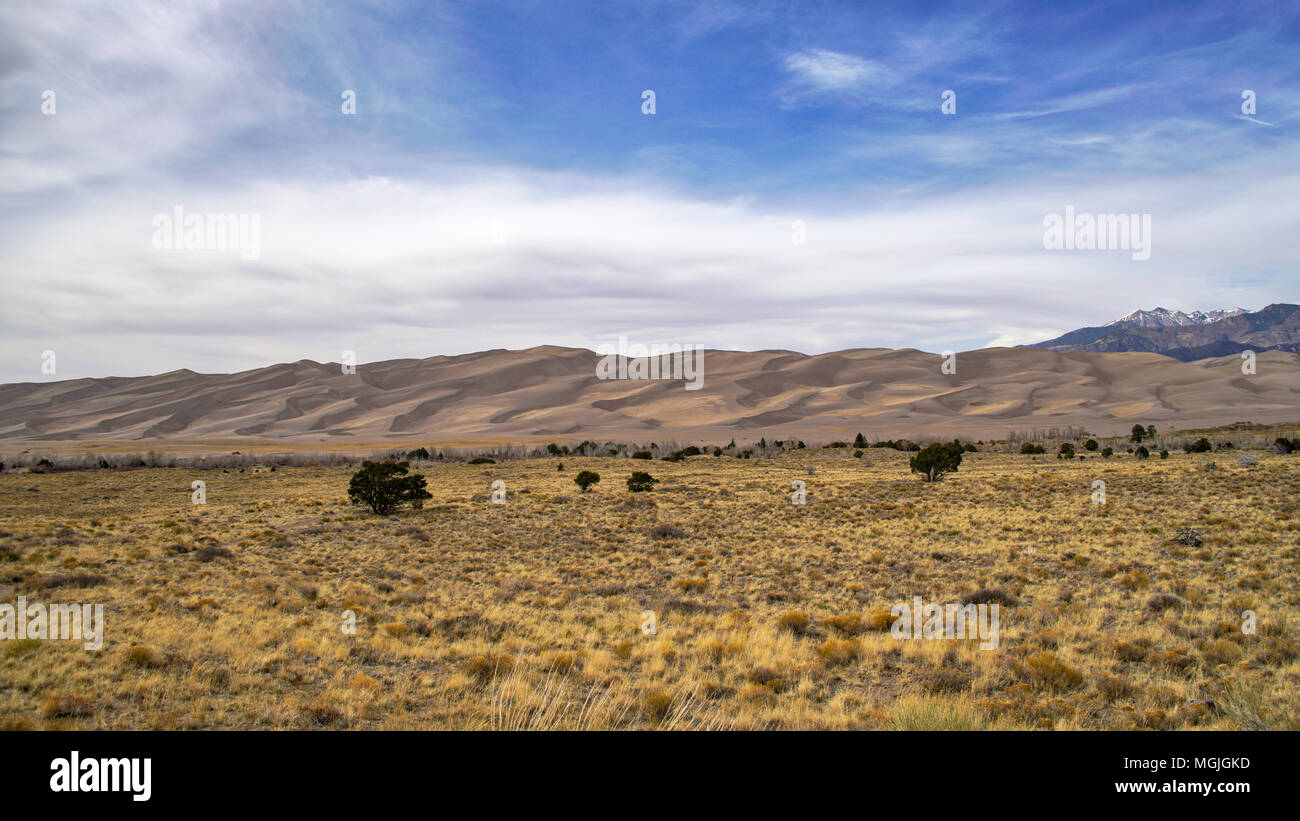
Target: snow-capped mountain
x,y
1165,318
1187,337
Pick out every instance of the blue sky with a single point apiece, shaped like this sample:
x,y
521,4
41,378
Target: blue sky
x,y
499,185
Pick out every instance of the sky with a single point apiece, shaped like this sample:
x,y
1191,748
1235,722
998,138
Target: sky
x,y
504,183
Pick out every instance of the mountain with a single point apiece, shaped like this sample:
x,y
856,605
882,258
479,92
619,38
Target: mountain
x,y
1164,318
1190,337
552,393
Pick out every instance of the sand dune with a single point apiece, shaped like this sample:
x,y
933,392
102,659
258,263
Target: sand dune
x,y
550,392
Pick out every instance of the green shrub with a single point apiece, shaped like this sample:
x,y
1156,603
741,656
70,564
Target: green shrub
x,y
936,461
1031,448
1091,444
679,455
1201,445
585,479
383,486
640,481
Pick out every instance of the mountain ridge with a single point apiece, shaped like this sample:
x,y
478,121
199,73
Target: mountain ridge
x,y
1272,328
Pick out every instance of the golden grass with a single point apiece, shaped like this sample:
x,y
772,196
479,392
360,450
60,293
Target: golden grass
x,y
528,615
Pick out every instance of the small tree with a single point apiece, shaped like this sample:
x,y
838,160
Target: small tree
x,y
1141,452
383,486
1151,431
936,461
860,441
1138,433
1107,453
1066,451
641,481
1090,445
1201,445
585,479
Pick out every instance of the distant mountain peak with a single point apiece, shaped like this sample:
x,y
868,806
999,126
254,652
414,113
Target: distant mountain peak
x,y
1199,335
1165,318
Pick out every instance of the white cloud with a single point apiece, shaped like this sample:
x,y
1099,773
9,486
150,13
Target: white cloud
x,y
834,71
394,268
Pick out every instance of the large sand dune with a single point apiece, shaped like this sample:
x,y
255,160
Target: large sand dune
x,y
551,393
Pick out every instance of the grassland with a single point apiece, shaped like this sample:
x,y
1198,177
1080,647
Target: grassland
x,y
768,614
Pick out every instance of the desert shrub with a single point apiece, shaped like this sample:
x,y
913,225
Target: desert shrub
x,y
73,580
418,453
1173,660
945,681
1280,445
1130,651
482,460
677,456
990,595
1164,601
1066,451
880,620
1090,445
585,479
384,486
1133,580
1189,537
666,531
489,666
1107,453
1046,672
1221,651
1142,452
1201,445
796,621
838,651
640,481
207,554
850,624
896,444
936,461
1030,448
642,454
1164,454
1112,687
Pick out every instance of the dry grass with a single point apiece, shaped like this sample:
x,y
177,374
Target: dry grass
x,y
528,615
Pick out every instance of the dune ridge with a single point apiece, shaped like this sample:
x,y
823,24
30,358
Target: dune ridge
x,y
553,392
